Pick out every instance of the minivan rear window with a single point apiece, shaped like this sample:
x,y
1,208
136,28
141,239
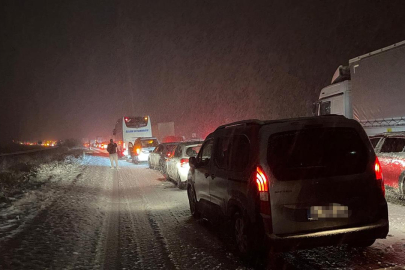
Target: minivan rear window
x,y
316,153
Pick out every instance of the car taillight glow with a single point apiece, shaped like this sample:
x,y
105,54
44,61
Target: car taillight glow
x,y
261,180
138,151
379,174
262,184
183,162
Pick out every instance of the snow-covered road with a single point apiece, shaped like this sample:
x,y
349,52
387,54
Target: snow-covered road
x,y
98,218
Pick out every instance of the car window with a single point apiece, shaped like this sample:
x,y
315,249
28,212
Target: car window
x,y
159,149
177,153
223,152
316,153
149,143
393,145
204,155
374,141
193,150
170,148
325,108
240,148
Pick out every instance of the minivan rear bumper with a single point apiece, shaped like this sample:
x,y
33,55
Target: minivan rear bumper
x,y
331,237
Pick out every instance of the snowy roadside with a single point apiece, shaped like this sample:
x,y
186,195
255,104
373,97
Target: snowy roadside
x,y
25,193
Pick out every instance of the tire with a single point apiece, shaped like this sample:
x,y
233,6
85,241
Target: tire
x,y
401,186
135,160
180,185
244,237
162,168
362,243
192,200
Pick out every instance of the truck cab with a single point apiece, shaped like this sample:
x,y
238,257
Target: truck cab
x,y
336,98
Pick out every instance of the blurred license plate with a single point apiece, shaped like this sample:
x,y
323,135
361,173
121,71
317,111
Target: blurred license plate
x,y
331,211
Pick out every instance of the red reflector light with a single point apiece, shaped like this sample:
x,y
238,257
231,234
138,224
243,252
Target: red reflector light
x,y
379,174
183,162
261,180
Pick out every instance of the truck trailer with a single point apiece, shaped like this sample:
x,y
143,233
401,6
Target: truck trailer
x,y
370,89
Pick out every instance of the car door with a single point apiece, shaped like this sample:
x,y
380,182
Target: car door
x,y
156,155
392,160
220,171
172,162
202,174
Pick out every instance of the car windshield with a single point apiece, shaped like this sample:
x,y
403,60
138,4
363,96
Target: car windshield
x,y
316,153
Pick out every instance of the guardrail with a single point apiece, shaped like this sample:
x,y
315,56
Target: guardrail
x,y
26,152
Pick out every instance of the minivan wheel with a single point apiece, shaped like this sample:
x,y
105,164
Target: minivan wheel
x,y
192,200
243,236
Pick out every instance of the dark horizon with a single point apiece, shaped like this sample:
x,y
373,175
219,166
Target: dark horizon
x,y
72,68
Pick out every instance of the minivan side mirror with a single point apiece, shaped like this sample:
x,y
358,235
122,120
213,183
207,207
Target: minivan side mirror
x,y
192,162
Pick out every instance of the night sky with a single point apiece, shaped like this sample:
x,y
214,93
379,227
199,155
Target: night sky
x,y
70,69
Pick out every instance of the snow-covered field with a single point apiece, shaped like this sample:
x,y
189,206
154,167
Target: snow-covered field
x,y
88,216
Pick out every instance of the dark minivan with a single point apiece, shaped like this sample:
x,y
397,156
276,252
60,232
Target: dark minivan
x,y
296,183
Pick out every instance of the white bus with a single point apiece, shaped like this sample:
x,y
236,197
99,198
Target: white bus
x,y
128,129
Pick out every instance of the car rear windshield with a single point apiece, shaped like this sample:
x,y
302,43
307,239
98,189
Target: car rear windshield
x,y
170,147
316,153
149,143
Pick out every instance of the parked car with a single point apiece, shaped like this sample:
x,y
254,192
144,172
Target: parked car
x,y
157,158
289,184
390,149
141,149
177,166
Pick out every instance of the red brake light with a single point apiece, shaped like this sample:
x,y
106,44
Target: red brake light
x,y
183,162
261,180
379,175
377,168
263,188
138,151
126,119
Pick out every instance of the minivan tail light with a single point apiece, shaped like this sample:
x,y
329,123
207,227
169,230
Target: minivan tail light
x,y
138,151
378,174
262,184
261,180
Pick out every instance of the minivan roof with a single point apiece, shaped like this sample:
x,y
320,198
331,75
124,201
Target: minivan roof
x,y
326,118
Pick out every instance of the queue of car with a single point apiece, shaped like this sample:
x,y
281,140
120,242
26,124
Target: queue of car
x,y
285,184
